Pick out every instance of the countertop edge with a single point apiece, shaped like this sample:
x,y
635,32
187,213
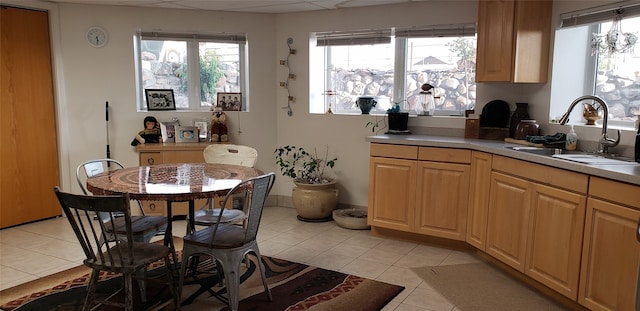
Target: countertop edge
x,y
628,173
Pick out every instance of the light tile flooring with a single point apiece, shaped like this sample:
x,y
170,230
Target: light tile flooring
x,y
38,249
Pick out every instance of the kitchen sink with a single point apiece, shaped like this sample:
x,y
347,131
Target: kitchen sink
x,y
576,156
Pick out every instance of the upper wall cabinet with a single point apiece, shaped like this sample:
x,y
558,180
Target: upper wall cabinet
x,y
513,41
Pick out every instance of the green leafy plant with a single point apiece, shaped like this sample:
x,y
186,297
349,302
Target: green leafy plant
x,y
302,166
381,122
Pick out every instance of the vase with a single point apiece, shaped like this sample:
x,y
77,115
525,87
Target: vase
x,y
366,103
315,202
521,113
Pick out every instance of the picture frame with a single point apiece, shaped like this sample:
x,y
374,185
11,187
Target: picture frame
x,y
203,129
229,101
186,134
160,99
168,131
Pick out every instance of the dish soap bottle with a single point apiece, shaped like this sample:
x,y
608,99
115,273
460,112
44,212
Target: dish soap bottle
x,y
572,140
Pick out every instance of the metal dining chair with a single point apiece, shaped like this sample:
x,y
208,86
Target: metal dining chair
x,y
118,255
228,243
144,227
225,154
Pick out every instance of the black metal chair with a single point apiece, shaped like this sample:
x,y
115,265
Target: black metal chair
x,y
119,255
229,243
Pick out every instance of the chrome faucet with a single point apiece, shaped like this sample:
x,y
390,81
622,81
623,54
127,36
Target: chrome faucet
x,y
605,142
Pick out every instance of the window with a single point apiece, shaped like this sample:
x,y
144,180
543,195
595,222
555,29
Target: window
x,y
392,65
195,67
581,68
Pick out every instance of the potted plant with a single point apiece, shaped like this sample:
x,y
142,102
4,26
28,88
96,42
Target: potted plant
x,y
314,195
397,121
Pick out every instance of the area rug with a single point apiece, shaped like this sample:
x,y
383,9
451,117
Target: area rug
x,y
479,287
294,286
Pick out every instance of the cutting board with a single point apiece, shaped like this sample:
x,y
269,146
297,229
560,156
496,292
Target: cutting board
x,y
522,142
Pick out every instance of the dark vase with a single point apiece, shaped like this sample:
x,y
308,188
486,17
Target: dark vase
x,y
521,113
398,122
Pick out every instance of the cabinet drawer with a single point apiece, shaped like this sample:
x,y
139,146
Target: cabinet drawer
x,y
615,191
543,174
394,151
150,158
444,155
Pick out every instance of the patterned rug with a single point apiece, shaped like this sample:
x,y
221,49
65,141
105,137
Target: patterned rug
x,y
294,286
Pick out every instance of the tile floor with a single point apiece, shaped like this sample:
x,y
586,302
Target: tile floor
x,y
38,249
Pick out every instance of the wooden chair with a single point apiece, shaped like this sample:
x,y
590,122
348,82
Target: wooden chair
x,y
144,227
228,243
225,154
118,256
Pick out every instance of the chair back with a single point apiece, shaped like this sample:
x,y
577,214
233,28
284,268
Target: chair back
x,y
94,167
230,154
256,189
101,253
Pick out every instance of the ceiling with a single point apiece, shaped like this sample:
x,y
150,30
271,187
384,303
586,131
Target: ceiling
x,y
248,6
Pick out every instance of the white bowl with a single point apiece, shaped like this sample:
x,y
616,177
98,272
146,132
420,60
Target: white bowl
x,y
351,218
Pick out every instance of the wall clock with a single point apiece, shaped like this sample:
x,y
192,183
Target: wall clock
x,y
97,37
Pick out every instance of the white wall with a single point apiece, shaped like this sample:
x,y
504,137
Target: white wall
x,y
86,77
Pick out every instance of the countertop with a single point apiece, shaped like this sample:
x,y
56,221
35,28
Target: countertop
x,y
628,173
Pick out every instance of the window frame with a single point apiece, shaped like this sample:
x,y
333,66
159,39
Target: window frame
x,y
399,37
193,61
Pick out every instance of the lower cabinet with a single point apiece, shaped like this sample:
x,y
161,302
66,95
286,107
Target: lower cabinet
x,y
477,209
416,190
611,251
537,228
443,191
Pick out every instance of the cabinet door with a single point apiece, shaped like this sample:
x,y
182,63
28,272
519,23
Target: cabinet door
x,y
555,238
495,40
610,257
443,192
392,193
478,199
508,219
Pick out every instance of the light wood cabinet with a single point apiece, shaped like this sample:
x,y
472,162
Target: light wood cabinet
x,y
392,186
535,221
442,192
507,219
478,206
164,153
513,41
419,189
611,252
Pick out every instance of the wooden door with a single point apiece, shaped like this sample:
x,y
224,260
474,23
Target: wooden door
x,y
555,238
443,193
29,156
392,193
508,219
478,199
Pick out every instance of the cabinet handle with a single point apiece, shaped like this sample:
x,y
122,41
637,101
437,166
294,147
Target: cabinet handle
x,y
150,161
152,206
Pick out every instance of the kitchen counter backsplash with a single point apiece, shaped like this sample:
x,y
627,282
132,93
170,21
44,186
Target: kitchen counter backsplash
x,y
629,173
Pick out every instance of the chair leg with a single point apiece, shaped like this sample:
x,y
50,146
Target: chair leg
x,y
91,290
262,269
186,253
142,284
230,268
128,292
172,283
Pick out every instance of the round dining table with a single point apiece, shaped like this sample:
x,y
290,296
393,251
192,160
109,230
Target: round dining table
x,y
177,182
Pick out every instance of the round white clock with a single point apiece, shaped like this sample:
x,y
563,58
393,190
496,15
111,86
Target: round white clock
x,y
97,37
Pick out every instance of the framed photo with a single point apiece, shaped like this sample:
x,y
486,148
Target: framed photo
x,y
168,130
230,101
203,128
160,99
186,134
